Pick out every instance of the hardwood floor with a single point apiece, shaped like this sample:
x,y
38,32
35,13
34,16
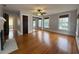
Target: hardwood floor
x,y
42,42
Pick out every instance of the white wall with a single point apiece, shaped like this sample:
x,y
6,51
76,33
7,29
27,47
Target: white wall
x,y
29,21
0,10
0,13
0,24
78,10
77,33
77,29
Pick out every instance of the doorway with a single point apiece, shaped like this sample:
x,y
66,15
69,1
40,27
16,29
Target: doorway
x,y
6,24
34,23
11,27
10,23
25,24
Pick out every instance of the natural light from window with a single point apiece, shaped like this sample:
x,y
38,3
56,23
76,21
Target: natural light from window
x,y
34,24
46,23
40,23
10,21
63,23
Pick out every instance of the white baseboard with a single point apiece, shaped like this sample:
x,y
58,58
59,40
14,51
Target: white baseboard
x,y
60,32
30,32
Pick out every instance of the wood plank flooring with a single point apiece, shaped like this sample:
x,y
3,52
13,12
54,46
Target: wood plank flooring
x,y
42,42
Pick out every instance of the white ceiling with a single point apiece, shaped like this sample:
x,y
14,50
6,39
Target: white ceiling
x,y
49,8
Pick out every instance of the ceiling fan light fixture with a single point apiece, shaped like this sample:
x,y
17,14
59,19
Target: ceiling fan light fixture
x,y
39,12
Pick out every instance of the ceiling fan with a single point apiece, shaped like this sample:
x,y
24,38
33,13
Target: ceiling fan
x,y
40,12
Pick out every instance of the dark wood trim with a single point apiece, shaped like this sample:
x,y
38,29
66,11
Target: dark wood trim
x,y
62,16
25,24
2,42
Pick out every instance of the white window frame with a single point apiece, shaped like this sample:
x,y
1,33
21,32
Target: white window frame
x,y
44,22
34,25
64,25
40,24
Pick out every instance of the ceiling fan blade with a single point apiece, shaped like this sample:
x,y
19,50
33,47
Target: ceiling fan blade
x,y
44,12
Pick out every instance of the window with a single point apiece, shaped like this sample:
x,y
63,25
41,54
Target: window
x,y
34,23
46,23
63,22
40,23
